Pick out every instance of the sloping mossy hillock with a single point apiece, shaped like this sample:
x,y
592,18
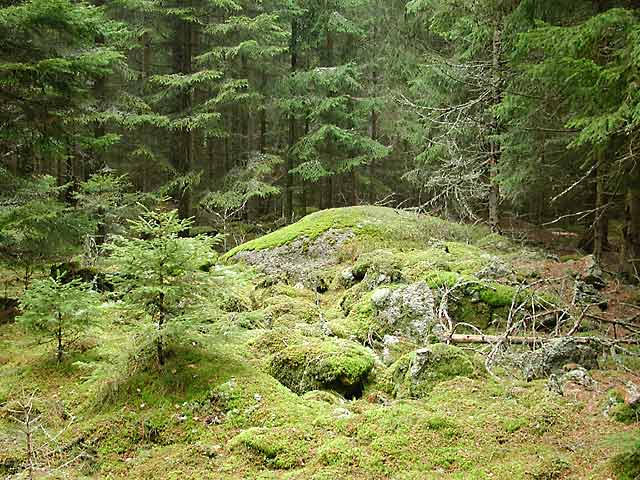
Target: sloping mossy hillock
x,y
380,224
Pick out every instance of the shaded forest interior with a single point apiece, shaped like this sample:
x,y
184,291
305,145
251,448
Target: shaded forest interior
x,y
501,111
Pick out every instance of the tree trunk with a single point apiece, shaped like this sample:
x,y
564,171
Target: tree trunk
x,y
630,255
600,223
494,154
59,349
288,189
184,151
373,133
160,340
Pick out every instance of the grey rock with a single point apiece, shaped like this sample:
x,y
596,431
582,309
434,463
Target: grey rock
x,y
495,268
341,413
554,355
347,279
380,296
587,294
593,275
578,376
301,260
408,311
633,394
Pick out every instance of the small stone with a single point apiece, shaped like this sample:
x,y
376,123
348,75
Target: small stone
x,y
341,413
380,296
578,376
632,397
257,397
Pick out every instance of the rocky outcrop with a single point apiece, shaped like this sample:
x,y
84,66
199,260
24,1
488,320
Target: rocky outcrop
x,y
552,356
416,374
301,260
406,311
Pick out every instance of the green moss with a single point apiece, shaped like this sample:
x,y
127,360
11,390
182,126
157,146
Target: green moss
x,y
625,413
377,267
340,451
385,226
287,311
626,465
360,323
313,363
281,447
416,374
551,469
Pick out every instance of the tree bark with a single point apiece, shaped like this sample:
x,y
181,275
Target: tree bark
x,y
59,349
630,254
494,154
373,134
600,223
288,189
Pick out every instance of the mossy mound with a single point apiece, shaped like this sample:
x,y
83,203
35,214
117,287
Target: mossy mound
x,y
416,374
385,226
279,447
304,364
285,311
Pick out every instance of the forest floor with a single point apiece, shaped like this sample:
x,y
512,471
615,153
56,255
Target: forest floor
x,y
305,365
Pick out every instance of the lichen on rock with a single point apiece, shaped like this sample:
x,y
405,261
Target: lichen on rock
x,y
417,373
304,363
552,356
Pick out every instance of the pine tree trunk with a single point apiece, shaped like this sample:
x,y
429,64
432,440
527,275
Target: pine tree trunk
x,y
494,154
185,142
373,133
59,349
600,224
630,255
288,190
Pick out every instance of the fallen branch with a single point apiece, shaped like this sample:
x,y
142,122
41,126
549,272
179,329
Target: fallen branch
x,y
463,338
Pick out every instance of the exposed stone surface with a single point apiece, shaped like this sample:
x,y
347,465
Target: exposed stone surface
x,y
417,373
300,260
554,355
407,311
579,377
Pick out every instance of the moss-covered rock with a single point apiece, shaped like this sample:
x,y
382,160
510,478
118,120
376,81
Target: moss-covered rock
x,y
416,374
322,364
280,447
406,311
287,311
377,267
552,356
381,225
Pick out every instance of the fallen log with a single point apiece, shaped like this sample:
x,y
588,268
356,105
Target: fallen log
x,y
491,339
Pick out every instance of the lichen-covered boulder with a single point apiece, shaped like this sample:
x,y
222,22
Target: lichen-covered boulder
x,y
554,355
304,364
417,373
407,311
301,260
377,267
403,311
